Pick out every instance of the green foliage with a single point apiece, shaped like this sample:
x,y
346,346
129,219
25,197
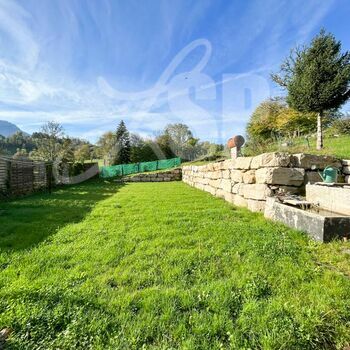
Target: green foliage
x,y
175,140
105,145
48,142
19,140
83,153
21,153
341,126
263,122
142,266
317,77
338,147
273,120
165,144
122,147
179,134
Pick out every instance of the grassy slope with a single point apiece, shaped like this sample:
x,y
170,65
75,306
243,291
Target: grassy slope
x,y
336,146
164,266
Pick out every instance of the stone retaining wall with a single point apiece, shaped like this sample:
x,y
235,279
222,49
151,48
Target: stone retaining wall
x,y
171,175
248,181
346,170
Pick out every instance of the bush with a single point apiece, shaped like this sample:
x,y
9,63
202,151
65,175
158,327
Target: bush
x,y
341,126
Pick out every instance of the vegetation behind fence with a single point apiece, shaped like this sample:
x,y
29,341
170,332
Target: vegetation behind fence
x,y
134,168
24,176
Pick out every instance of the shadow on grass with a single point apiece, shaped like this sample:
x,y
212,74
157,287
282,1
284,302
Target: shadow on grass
x,y
28,221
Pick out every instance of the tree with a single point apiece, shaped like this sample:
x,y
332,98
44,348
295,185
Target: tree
x,y
21,154
82,153
192,149
166,145
263,122
179,134
66,154
291,123
122,145
317,78
48,142
342,126
105,146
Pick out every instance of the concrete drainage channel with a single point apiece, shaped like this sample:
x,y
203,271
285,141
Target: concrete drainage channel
x,y
324,214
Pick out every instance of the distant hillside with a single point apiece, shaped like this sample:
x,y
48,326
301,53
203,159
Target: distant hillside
x,y
7,128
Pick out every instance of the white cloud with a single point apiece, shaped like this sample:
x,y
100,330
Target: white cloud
x,y
14,22
32,94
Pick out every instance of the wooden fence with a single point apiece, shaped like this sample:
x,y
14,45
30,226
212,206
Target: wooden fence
x,y
23,176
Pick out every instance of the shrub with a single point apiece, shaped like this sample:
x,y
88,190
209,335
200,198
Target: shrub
x,y
342,126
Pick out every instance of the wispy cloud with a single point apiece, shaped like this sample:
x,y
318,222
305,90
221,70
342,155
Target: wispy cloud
x,y
52,53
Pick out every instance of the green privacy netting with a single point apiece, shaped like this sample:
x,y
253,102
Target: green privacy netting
x,y
127,169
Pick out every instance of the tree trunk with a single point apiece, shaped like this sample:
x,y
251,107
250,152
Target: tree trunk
x,y
319,144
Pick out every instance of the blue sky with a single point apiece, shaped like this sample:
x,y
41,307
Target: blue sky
x,y
88,64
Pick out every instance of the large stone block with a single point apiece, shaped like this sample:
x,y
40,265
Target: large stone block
x,y
220,193
280,176
319,226
229,197
216,166
237,175
225,174
222,165
312,177
243,163
346,169
203,181
347,179
256,206
199,186
256,191
209,167
341,178
345,162
309,161
216,174
226,185
240,201
249,177
214,183
274,159
210,189
237,188
336,199
228,164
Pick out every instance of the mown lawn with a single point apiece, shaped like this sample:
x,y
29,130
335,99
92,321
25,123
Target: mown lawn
x,y
164,266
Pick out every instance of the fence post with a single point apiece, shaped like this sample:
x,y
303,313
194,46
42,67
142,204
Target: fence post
x,y
8,177
49,177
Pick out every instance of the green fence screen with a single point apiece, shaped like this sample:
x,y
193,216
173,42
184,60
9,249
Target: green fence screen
x,y
134,168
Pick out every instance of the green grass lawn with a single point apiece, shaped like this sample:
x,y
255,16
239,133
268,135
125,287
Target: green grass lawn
x,y
164,266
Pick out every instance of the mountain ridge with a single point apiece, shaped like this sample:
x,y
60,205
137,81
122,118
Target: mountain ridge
x,y
8,129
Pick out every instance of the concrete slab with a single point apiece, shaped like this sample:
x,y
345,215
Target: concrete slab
x,y
319,226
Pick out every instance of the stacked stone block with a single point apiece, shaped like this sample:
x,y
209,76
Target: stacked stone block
x,y
346,170
171,175
249,181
